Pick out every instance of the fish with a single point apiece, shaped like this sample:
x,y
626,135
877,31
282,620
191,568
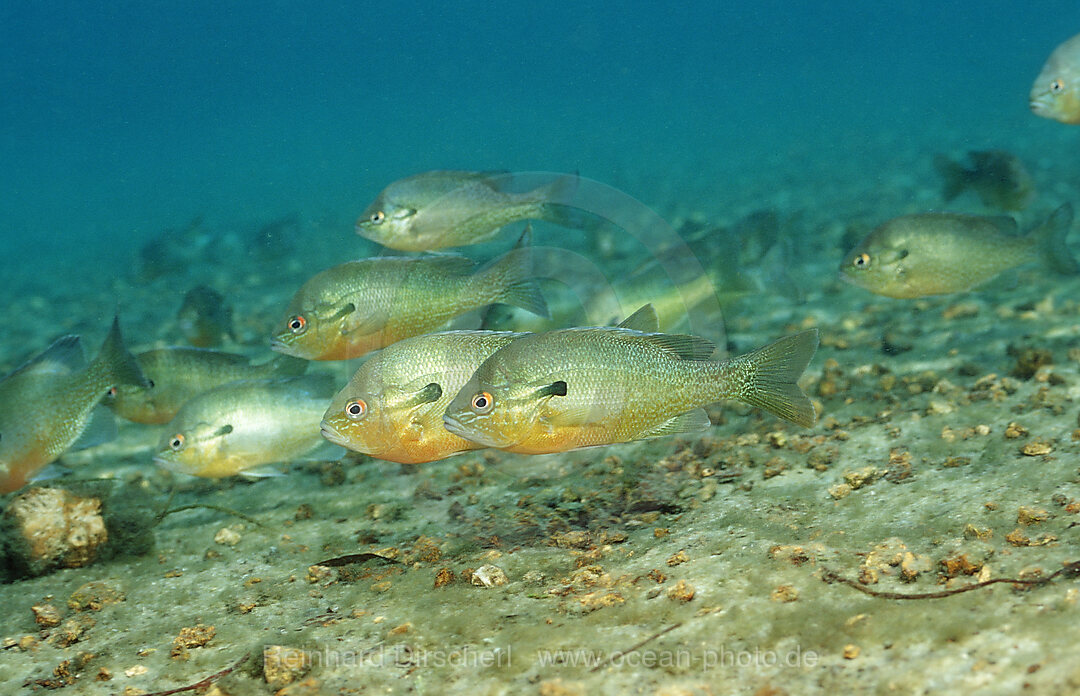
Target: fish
x,y
440,209
245,424
393,406
205,318
178,374
48,404
585,387
998,177
1056,91
354,308
944,253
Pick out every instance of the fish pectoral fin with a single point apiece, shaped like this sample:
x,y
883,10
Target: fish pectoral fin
x,y
362,325
643,320
100,428
54,470
264,471
689,422
683,347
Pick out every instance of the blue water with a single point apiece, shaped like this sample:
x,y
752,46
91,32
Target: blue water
x,y
120,119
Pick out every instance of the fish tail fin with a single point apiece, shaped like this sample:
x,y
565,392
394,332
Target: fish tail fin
x,y
115,363
773,373
953,177
1050,241
508,279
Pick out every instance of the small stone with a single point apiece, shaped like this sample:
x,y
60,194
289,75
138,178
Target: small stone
x,y
283,665
1014,430
318,573
912,565
956,461
103,674
227,536
444,577
46,615
303,512
678,558
72,630
399,630
1029,515
489,576
959,565
1036,448
784,593
840,490
134,672
1017,538
682,591
851,651
95,595
191,637
973,532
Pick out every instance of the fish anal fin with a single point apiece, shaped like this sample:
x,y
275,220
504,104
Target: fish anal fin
x,y
689,422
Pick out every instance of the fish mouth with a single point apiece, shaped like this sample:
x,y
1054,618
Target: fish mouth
x,y
330,433
457,428
1040,104
168,464
279,346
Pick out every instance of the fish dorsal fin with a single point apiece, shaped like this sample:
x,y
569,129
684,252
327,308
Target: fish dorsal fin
x,y
63,357
689,422
643,320
683,346
1004,224
447,262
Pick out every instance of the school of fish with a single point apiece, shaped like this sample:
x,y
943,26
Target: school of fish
x,y
537,377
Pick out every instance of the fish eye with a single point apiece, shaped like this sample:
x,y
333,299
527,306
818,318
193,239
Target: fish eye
x,y
378,217
862,261
149,384
111,394
356,409
177,442
297,324
1056,86
482,402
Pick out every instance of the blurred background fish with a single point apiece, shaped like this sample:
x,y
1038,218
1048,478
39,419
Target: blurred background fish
x,y
49,403
440,209
999,178
205,318
1056,92
941,253
393,406
360,306
242,425
176,375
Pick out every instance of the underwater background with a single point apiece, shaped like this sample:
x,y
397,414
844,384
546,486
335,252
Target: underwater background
x,y
149,148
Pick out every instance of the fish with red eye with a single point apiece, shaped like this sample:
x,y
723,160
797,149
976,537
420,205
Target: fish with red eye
x,y
392,408
358,307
